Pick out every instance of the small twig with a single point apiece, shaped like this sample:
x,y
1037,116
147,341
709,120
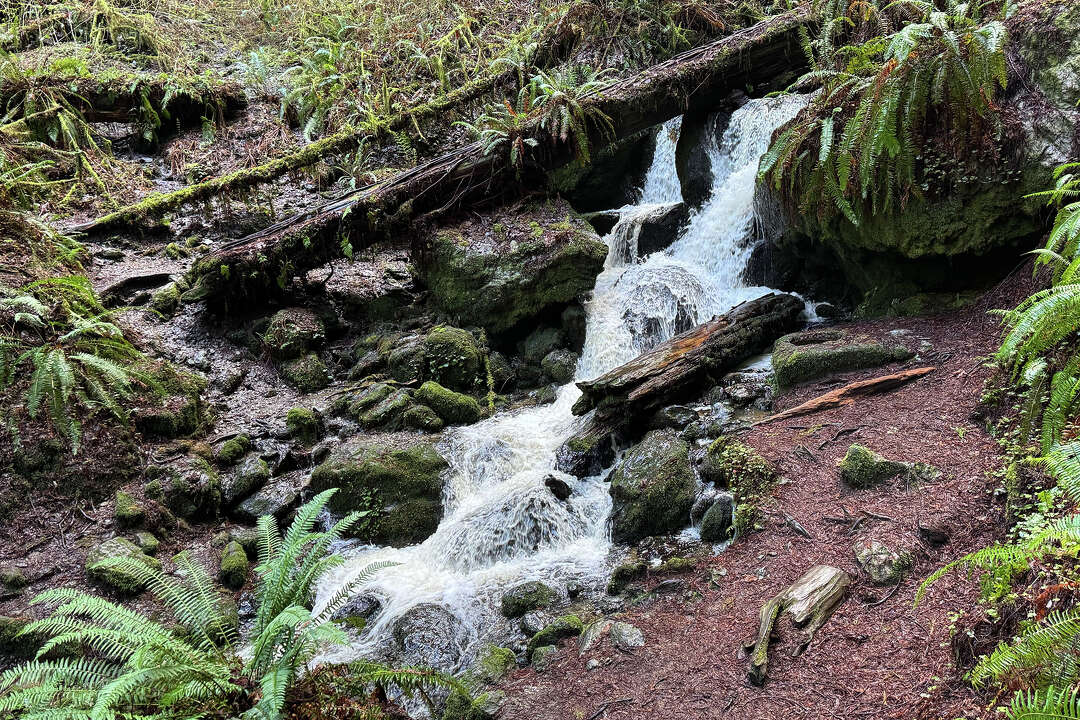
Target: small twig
x,y
603,708
794,525
877,516
887,596
855,525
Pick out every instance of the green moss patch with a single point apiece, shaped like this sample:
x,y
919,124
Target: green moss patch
x,y
810,355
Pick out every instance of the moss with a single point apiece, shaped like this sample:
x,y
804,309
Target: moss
x,y
127,512
741,469
652,488
189,487
367,398
13,642
182,411
233,449
453,357
293,332
453,407
101,567
561,628
234,566
147,542
12,578
302,424
166,300
526,597
862,468
421,417
676,566
625,574
403,488
306,374
244,481
494,663
806,356
389,414
882,302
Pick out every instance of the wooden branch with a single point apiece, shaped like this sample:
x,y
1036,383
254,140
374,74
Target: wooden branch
x,y
850,393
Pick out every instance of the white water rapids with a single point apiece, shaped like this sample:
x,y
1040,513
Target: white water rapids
x,y
501,525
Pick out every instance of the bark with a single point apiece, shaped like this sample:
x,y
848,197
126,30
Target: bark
x,y
468,176
850,393
682,364
809,601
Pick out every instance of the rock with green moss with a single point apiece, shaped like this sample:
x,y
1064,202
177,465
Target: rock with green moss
x,y
166,300
421,417
586,452
560,366
545,258
233,449
624,574
188,487
732,464
102,566
14,644
453,407
454,358
389,413
561,628
461,706
244,480
234,566
716,523
652,488
883,565
147,542
363,400
406,359
292,332
127,512
302,424
12,578
494,663
501,372
526,597
543,656
307,373
401,487
539,343
276,498
804,356
863,468
181,412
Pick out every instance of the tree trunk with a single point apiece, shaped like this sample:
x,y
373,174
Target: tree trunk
x,y
256,265
682,364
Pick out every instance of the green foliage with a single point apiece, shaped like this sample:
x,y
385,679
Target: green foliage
x,y
856,149
1049,704
76,357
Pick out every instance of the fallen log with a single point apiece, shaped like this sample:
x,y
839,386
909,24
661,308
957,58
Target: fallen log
x,y
849,394
810,601
686,361
258,264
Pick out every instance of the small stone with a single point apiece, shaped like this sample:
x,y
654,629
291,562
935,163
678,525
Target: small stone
x,y
559,488
127,512
674,585
563,627
533,622
543,656
863,468
592,664
233,450
13,578
625,636
244,481
147,542
883,565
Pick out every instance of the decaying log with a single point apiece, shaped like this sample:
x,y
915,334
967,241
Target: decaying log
x,y
761,56
809,602
684,362
850,393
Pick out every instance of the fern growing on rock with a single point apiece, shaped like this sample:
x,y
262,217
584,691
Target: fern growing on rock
x,y
856,149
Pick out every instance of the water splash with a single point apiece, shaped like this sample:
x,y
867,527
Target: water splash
x,y
501,525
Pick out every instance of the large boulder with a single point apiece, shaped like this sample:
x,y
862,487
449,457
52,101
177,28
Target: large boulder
x,y
501,269
652,488
611,176
429,635
804,356
401,487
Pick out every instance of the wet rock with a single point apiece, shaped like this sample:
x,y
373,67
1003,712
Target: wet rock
x,y
407,360
502,373
828,311
586,452
745,389
863,468
494,663
453,407
716,524
543,656
233,449
698,132
625,574
563,627
675,417
453,357
421,417
234,566
245,480
883,565
401,487
527,596
389,413
539,343
188,487
560,366
652,488
358,611
292,332
533,622
431,636
660,227
100,565
369,363
274,498
302,424
502,269
573,322
559,488
612,176
307,373
804,356
602,221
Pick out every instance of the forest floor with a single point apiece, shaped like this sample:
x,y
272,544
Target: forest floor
x,y
879,656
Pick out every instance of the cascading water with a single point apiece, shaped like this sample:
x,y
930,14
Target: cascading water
x,y
501,524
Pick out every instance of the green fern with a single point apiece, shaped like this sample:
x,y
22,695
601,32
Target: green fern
x,y
1049,704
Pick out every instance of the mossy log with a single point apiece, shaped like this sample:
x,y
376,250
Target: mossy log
x,y
809,602
850,393
260,263
684,362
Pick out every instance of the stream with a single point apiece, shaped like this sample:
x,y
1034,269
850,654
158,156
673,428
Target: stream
x,y
501,524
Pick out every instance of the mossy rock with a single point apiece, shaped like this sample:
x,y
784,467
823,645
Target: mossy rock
x,y
306,374
14,644
539,343
363,400
804,356
737,467
883,565
101,565
389,414
453,407
543,656
244,480
545,257
561,628
292,332
454,358
127,512
717,522
166,300
560,366
407,360
302,424
652,488
494,663
147,542
402,487
421,417
461,706
526,597
863,468
12,578
624,574
188,487
234,566
233,449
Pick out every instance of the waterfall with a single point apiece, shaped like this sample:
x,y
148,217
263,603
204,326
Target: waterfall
x,y
501,525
